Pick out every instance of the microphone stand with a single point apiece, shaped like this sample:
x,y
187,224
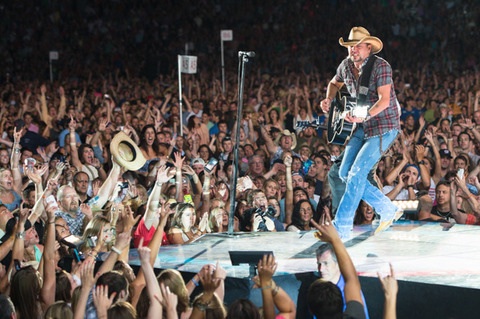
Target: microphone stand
x,y
243,58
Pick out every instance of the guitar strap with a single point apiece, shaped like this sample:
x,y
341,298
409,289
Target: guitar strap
x,y
364,81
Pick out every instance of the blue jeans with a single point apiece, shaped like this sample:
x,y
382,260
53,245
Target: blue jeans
x,y
361,155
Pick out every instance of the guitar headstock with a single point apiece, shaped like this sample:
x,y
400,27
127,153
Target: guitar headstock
x,y
304,124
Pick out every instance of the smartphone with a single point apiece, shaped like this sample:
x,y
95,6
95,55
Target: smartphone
x,y
51,200
72,241
306,166
30,162
124,185
17,264
92,241
188,199
460,173
211,165
76,254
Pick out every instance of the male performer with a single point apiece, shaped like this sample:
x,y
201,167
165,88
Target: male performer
x,y
374,133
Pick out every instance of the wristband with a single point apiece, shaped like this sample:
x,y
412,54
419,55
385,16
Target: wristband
x,y
195,282
409,186
20,235
116,250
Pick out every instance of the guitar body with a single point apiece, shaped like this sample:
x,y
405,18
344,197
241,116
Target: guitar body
x,y
339,131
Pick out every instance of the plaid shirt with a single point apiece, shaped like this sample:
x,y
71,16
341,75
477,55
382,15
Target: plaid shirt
x,y
74,223
388,119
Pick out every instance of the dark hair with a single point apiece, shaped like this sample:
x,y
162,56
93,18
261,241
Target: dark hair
x,y
115,281
25,292
300,189
143,141
63,287
466,134
324,300
323,248
444,183
296,217
7,307
241,309
81,148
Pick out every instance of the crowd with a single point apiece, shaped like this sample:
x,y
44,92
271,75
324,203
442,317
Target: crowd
x,y
94,164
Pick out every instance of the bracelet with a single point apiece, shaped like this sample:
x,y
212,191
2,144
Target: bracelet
x,y
195,282
266,287
16,150
275,290
116,250
202,306
159,184
408,186
20,235
51,222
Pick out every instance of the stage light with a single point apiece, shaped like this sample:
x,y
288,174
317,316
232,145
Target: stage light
x,y
408,206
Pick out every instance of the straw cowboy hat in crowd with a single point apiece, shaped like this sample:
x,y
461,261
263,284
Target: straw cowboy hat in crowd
x,y
287,133
361,35
126,153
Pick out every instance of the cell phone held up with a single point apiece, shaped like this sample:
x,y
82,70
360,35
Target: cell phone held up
x,y
51,201
211,165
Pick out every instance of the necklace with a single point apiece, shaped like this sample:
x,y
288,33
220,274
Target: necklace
x,y
443,215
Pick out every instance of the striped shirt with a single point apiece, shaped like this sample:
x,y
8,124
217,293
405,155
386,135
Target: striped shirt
x,y
388,119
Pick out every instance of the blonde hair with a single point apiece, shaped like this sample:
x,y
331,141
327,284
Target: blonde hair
x,y
59,310
173,279
179,210
95,228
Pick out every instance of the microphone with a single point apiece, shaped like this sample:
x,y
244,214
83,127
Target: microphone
x,y
250,54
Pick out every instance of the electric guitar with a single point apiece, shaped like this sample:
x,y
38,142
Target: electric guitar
x,y
340,131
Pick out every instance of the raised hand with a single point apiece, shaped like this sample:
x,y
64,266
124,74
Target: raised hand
x,y
144,253
101,300
266,268
326,230
389,284
178,160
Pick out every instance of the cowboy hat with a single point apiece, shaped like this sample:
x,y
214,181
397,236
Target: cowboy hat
x,y
361,35
126,153
287,133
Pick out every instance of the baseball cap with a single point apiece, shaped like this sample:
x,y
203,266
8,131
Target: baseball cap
x,y
445,153
10,227
198,160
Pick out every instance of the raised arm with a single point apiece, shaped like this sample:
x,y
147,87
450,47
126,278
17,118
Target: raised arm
x,y
151,282
151,215
289,193
14,161
272,294
390,290
47,293
272,148
326,232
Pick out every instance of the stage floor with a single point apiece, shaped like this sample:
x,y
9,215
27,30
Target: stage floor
x,y
419,252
